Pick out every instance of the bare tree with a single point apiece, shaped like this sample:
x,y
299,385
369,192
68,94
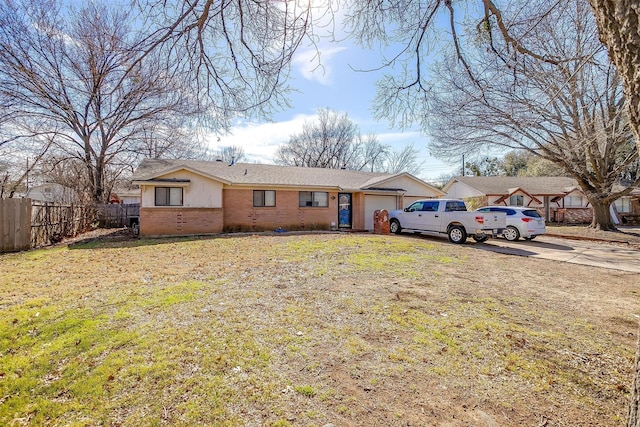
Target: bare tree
x,y
570,113
334,141
545,85
403,160
414,26
69,77
19,164
618,28
230,153
70,173
236,53
329,142
369,153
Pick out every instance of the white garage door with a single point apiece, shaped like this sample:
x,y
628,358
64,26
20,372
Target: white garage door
x,y
373,203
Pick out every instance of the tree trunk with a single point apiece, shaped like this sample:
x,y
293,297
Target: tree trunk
x,y
619,29
601,219
634,408
98,194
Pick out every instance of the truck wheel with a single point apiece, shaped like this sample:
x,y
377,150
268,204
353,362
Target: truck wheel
x,y
394,226
511,234
480,239
457,234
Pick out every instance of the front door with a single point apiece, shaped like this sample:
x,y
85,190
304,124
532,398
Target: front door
x,y
344,210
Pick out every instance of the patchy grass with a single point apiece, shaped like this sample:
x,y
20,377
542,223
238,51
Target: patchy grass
x,y
309,330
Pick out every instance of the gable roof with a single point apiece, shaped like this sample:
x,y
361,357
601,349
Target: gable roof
x,y
502,185
274,175
513,191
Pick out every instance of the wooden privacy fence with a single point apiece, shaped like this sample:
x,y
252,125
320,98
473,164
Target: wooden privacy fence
x,y
15,225
51,222
26,224
118,215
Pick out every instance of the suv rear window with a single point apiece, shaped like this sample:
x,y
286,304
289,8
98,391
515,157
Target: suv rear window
x,y
532,213
505,210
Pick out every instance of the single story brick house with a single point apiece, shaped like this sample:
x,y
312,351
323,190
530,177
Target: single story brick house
x,y
559,199
183,197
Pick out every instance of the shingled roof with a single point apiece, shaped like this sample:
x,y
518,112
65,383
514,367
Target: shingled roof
x,y
259,174
535,185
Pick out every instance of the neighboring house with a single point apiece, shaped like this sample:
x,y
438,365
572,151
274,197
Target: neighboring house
x,y
628,207
201,197
52,193
559,199
125,196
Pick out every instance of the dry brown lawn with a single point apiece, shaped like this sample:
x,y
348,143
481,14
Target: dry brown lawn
x,y
311,330
629,235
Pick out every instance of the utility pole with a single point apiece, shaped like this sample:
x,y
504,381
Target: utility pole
x,y
463,165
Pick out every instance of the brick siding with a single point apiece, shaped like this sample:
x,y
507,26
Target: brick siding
x,y
572,215
241,215
180,221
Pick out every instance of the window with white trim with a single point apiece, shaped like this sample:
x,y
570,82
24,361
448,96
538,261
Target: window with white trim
x,y
264,198
516,200
168,196
573,202
313,199
623,205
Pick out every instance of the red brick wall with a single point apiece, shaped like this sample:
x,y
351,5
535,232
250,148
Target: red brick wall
x,y
572,215
180,221
241,215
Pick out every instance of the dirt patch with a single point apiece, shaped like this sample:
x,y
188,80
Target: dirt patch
x,y
318,329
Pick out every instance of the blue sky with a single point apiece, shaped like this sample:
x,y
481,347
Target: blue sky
x,y
337,86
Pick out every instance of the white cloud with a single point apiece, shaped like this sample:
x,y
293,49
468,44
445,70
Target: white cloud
x,y
315,65
260,140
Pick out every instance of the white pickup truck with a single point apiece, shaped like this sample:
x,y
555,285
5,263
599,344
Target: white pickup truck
x,y
448,216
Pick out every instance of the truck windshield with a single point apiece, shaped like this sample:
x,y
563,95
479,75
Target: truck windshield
x,y
455,206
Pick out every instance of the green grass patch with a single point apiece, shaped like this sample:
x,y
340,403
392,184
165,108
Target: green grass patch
x,y
306,390
384,254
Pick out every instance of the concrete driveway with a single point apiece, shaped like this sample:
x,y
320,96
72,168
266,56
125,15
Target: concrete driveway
x,y
597,254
